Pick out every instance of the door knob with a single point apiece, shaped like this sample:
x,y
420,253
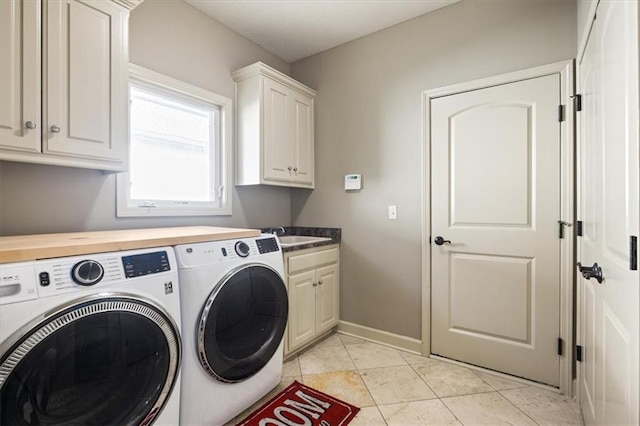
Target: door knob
x,y
55,129
589,272
30,124
440,241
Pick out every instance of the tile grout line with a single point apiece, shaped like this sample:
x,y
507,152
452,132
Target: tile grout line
x,y
518,408
363,382
434,392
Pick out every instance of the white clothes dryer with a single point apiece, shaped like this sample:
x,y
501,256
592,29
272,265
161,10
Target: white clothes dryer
x,y
234,314
91,339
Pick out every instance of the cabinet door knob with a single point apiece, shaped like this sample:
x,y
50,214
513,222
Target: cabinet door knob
x,y
55,129
320,282
295,169
30,125
289,168
315,284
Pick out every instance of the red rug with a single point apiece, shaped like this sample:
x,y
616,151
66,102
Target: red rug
x,y
301,405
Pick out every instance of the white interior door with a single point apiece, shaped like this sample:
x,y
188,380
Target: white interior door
x,y
608,207
495,164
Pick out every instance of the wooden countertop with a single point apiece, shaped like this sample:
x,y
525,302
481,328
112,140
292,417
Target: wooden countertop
x,y
45,246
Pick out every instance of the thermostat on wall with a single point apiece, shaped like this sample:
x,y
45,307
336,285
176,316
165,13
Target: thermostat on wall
x,y
352,182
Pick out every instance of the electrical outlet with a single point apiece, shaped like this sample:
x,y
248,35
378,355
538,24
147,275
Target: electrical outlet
x,y
393,212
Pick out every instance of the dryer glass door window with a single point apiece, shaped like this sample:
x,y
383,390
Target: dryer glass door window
x,y
242,323
105,362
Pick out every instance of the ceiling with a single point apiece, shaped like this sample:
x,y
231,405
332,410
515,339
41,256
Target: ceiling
x,y
295,29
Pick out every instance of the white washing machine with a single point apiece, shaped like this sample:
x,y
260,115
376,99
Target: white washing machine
x,y
234,314
91,339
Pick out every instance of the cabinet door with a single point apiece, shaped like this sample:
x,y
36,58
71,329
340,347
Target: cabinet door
x,y
327,308
276,140
302,138
86,80
302,308
20,78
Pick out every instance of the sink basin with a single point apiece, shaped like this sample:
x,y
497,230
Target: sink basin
x,y
298,240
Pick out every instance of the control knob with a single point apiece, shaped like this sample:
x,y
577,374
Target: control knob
x,y
87,272
242,249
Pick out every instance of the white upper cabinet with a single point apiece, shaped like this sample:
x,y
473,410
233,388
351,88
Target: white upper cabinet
x,y
81,120
274,118
20,64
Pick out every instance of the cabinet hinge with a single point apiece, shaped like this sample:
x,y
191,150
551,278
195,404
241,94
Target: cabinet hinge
x,y
579,353
561,113
579,228
560,345
633,253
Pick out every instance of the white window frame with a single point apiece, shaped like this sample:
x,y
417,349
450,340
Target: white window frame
x,y
134,208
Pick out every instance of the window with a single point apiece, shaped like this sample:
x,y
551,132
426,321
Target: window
x,y
179,149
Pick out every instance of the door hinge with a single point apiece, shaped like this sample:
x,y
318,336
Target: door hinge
x,y
579,353
577,102
561,113
579,228
561,225
560,345
633,253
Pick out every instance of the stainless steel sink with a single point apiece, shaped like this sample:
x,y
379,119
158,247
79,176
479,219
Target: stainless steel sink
x,y
298,240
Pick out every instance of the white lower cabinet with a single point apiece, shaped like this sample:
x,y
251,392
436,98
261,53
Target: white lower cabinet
x,y
313,285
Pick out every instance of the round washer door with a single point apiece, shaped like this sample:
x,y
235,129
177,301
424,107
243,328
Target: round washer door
x,y
242,323
111,359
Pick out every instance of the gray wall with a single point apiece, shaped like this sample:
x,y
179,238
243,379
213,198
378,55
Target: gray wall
x,y
175,39
369,121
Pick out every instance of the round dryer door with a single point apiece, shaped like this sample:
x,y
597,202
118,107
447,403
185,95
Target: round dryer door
x,y
107,359
242,323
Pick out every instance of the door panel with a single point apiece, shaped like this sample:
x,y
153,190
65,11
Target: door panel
x,y
608,205
85,68
277,141
302,296
20,75
327,298
302,141
499,194
506,288
496,197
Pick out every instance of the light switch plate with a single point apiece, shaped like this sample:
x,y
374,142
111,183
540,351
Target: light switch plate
x,y
393,212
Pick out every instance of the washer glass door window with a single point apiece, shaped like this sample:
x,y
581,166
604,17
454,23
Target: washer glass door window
x,y
107,361
242,323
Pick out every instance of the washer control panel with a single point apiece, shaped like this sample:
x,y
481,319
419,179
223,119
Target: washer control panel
x,y
242,249
145,264
86,272
17,282
66,274
267,245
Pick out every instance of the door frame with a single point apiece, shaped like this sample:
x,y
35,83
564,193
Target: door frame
x,y
566,70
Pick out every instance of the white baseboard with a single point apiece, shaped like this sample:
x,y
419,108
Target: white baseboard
x,y
395,341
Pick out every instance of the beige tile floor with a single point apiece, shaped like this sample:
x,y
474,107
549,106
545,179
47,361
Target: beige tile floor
x,y
397,388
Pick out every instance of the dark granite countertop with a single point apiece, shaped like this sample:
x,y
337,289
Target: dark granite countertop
x,y
334,233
